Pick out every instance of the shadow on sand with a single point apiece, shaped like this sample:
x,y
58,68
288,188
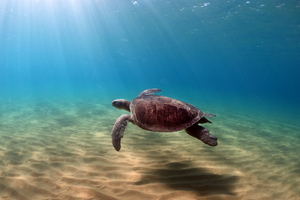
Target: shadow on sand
x,y
179,175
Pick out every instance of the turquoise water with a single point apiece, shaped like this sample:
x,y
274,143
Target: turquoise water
x,y
242,51
231,58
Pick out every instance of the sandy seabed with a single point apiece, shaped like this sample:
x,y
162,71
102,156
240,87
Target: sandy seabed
x,y
51,149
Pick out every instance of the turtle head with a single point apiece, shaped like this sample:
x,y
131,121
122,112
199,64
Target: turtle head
x,y
121,104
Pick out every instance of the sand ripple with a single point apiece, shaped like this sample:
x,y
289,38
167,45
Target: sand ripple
x,y
53,151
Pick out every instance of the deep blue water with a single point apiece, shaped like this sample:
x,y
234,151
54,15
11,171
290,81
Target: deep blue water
x,y
238,55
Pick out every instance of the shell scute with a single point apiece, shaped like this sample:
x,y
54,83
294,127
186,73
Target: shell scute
x,y
163,114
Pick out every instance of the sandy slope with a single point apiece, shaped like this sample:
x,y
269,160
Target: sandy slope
x,y
62,150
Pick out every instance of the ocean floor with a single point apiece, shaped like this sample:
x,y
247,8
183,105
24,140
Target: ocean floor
x,y
61,149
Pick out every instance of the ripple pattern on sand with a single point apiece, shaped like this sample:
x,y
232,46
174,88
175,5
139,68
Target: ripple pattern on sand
x,y
62,150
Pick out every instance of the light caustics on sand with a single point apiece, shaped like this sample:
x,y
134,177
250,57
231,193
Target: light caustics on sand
x,y
63,149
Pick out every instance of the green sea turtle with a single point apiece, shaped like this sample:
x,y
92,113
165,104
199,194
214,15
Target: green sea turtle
x,y
162,114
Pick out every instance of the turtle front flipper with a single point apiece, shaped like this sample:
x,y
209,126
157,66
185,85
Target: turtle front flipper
x,y
117,132
202,134
149,92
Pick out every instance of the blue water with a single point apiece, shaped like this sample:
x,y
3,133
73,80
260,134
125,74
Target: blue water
x,y
226,53
232,58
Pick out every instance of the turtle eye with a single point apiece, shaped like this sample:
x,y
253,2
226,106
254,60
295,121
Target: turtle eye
x,y
114,103
117,103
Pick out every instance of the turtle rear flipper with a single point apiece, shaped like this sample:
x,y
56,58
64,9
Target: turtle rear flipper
x,y
202,134
204,120
117,132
